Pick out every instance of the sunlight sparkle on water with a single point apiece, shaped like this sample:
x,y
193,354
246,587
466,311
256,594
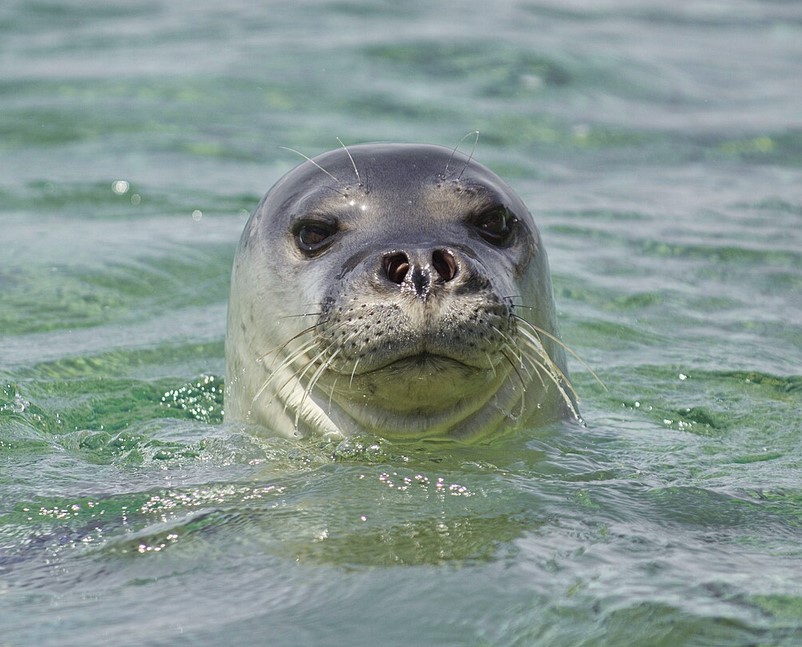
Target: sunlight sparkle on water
x,y
120,187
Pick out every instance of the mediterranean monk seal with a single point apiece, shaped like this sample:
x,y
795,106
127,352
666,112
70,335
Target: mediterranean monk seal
x,y
398,289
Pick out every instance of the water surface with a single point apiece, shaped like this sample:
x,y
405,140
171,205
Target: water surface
x,y
659,148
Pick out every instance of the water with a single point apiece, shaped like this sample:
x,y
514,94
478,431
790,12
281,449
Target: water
x,y
660,149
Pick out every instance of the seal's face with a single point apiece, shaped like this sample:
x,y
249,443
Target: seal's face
x,y
396,288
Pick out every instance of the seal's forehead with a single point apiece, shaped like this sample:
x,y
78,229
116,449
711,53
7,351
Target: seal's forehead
x,y
393,174
390,164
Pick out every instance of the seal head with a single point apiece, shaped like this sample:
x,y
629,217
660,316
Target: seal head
x,y
399,289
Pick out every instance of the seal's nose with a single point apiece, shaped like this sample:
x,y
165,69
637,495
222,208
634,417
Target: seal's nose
x,y
418,270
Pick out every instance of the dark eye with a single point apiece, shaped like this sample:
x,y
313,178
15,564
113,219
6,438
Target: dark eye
x,y
313,237
496,226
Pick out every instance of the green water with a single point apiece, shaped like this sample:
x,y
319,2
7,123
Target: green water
x,y
659,148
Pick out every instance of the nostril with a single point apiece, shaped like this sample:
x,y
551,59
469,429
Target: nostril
x,y
444,264
396,267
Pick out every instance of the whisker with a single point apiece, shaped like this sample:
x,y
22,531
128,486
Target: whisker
x,y
539,331
303,314
470,157
309,159
523,384
288,361
353,163
536,344
510,344
540,365
300,376
537,357
278,349
314,379
305,331
454,152
331,393
492,365
555,375
353,372
519,356
297,377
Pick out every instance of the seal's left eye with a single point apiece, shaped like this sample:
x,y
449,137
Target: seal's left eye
x,y
313,237
496,226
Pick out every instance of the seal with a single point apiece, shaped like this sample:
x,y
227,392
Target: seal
x,y
396,289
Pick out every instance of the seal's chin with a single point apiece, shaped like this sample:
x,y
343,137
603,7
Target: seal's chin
x,y
421,382
427,364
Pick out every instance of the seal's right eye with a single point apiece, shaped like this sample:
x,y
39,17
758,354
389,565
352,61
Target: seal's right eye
x,y
313,237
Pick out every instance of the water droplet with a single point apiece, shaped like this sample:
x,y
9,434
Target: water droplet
x,y
20,404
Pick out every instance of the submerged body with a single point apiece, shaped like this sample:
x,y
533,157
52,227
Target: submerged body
x,y
398,289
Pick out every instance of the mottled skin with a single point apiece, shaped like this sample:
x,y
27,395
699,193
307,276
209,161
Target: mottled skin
x,y
389,294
